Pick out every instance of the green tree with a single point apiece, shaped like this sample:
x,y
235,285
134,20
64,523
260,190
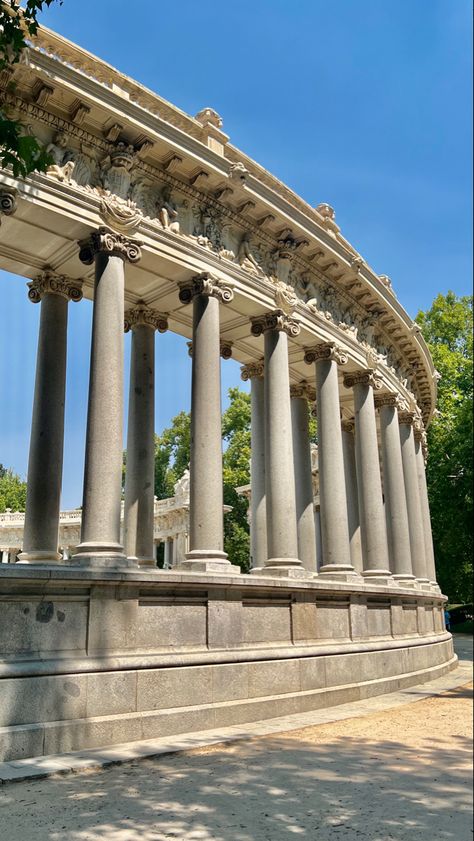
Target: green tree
x,y
447,328
172,453
18,149
12,491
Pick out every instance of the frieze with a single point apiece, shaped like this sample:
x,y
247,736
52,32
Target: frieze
x,y
276,320
325,351
48,282
143,315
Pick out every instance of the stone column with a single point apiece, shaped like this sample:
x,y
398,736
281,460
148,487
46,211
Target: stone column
x,y
369,486
412,491
282,538
396,513
350,475
101,509
254,371
45,464
332,489
300,394
206,519
420,450
140,464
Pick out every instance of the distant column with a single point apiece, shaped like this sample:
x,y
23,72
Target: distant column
x,y
421,451
45,465
350,474
369,486
282,538
140,463
101,510
300,394
412,491
332,489
254,371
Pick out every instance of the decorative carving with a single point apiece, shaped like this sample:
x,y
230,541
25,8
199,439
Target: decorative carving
x,y
367,377
407,418
276,320
246,259
111,243
209,116
8,203
238,172
78,112
225,349
326,350
207,285
348,425
326,211
199,179
42,93
122,215
390,399
387,283
266,220
141,314
63,165
252,369
112,133
173,163
116,168
285,297
303,389
48,282
168,213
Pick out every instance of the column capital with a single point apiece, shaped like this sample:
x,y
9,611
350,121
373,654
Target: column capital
x,y
142,315
390,398
277,320
407,418
205,284
50,283
325,350
8,203
363,377
251,370
225,348
303,389
109,242
348,425
419,430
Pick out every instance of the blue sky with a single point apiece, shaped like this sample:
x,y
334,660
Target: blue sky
x,y
365,104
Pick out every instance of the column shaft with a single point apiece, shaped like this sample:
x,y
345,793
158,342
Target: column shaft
x,y
140,467
412,491
303,483
348,448
396,513
425,511
258,519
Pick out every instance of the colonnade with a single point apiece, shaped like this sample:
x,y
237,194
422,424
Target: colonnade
x,y
374,525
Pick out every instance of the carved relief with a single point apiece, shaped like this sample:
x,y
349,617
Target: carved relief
x,y
63,165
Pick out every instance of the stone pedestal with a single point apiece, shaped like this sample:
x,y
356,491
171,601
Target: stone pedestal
x,y
206,525
45,465
398,534
412,491
282,539
254,372
100,534
300,394
140,462
332,489
369,486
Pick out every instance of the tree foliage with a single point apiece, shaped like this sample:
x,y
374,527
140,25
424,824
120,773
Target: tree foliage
x,y
12,491
18,149
447,328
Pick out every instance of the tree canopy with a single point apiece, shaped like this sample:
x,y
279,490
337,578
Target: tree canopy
x,y
447,328
12,491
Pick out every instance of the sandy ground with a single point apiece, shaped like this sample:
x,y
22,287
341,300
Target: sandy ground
x,y
400,774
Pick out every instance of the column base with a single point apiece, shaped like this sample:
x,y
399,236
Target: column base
x,y
146,563
207,560
424,584
282,568
435,587
101,556
377,576
338,572
405,580
35,557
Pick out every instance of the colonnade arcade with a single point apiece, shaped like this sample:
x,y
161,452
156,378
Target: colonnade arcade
x,y
374,514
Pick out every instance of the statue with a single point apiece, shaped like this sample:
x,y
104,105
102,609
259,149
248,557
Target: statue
x,y
116,168
245,257
63,165
167,213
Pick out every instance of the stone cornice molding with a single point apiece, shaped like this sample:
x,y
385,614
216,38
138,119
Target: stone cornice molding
x,y
251,370
276,320
389,398
325,351
111,243
144,316
364,377
303,389
348,425
8,202
207,285
50,283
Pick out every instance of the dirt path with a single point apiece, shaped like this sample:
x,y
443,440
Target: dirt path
x,y
401,774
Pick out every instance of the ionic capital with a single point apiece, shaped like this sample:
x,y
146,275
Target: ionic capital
x,y
389,398
327,351
348,425
251,370
276,320
303,389
49,283
7,201
108,242
365,377
407,418
225,348
205,284
419,429
142,315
